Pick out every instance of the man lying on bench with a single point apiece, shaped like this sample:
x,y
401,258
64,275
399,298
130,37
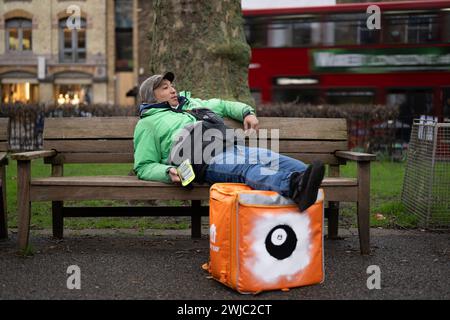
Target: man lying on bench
x,y
180,139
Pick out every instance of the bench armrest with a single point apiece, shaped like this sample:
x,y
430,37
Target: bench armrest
x,y
3,158
356,156
32,155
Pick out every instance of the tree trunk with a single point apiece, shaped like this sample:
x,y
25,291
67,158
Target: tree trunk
x,y
203,43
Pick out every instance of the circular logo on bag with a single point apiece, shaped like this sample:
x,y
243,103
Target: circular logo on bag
x,y
281,242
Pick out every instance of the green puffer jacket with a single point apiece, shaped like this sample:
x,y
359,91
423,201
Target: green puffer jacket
x,y
160,124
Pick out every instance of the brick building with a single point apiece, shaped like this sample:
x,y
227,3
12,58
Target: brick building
x,y
59,51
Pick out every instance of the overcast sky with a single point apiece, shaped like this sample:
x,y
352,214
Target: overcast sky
x,y
265,4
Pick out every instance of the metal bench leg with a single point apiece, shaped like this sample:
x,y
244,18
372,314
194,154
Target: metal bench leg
x,y
58,219
196,220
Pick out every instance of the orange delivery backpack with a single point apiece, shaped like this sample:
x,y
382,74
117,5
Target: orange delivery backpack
x,y
259,240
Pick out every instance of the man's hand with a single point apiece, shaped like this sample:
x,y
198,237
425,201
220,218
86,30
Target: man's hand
x,y
173,174
251,123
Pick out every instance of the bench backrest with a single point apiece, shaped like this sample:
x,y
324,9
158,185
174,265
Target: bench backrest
x,y
4,134
110,140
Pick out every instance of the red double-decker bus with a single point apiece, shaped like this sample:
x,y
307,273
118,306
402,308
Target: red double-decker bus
x,y
330,55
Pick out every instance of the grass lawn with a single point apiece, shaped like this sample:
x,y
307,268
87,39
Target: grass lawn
x,y
386,208
386,183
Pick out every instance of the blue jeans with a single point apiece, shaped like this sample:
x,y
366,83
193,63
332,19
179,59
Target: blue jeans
x,y
259,168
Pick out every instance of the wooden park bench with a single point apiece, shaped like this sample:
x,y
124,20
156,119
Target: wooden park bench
x,y
110,140
3,163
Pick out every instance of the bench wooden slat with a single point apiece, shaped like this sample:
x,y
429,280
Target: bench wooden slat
x,y
296,146
123,128
356,156
92,158
341,193
32,155
326,158
85,128
60,193
310,157
90,146
302,128
126,146
133,181
72,193
98,181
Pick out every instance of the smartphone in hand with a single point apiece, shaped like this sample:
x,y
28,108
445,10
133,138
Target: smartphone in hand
x,y
186,172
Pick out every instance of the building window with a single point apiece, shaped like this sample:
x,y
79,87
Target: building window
x,y
18,35
73,94
72,42
124,35
412,28
19,93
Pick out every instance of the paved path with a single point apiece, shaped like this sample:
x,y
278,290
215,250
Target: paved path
x,y
127,265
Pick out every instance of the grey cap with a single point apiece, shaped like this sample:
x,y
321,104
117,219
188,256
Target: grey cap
x,y
146,91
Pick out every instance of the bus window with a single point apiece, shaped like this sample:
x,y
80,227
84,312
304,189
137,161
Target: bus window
x,y
297,95
256,32
306,32
349,29
350,96
279,32
446,27
412,28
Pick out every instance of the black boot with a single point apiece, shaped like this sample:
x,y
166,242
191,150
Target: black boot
x,y
298,183
308,194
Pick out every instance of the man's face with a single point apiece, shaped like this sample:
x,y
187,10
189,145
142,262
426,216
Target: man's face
x,y
166,92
